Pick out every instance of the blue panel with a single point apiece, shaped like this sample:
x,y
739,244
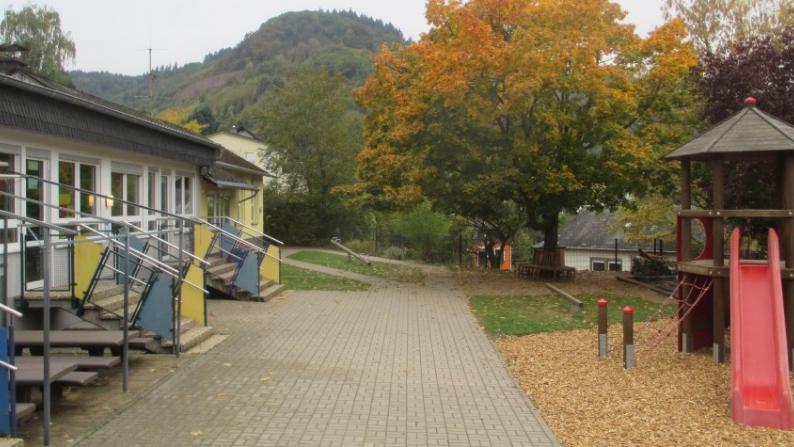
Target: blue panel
x,y
248,274
157,311
135,244
5,404
226,242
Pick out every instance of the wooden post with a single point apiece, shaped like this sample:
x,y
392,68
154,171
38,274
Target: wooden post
x,y
687,331
719,290
629,360
788,252
602,328
686,203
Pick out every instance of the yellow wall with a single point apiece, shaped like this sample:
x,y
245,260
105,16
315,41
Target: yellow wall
x,y
271,265
193,302
86,260
244,147
236,196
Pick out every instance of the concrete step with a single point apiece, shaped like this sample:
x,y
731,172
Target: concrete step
x,y
221,268
191,338
268,293
227,277
115,302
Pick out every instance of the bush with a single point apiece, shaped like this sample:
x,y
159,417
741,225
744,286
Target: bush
x,y
395,253
360,246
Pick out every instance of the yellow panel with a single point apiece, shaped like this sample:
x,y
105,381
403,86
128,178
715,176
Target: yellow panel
x,y
193,303
271,266
86,261
202,237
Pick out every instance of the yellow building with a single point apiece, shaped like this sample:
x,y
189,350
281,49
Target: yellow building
x,y
233,187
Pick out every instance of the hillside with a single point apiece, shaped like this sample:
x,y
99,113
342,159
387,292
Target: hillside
x,y
229,84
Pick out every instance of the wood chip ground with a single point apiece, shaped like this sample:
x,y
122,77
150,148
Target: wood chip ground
x,y
670,399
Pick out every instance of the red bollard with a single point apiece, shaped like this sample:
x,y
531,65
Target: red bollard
x,y
628,337
602,328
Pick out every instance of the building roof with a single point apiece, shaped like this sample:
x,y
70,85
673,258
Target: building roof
x,y
33,103
226,179
230,160
748,131
588,230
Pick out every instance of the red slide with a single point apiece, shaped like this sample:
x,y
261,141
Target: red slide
x,y
760,389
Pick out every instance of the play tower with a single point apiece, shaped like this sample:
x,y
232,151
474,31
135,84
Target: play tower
x,y
756,297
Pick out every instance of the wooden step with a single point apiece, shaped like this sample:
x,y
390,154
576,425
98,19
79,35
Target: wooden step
x,y
77,378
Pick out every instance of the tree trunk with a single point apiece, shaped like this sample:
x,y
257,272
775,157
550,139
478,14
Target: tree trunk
x,y
493,259
551,224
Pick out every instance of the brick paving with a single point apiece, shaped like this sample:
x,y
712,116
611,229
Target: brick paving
x,y
393,366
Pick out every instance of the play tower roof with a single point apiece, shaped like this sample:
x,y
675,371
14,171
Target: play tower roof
x,y
748,131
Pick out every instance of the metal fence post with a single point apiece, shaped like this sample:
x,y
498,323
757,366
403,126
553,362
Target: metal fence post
x,y
125,312
46,395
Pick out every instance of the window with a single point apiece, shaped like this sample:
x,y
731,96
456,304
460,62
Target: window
x,y
7,186
152,185
184,197
132,194
164,201
601,264
125,187
81,176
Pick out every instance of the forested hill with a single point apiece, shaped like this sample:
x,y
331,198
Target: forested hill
x,y
230,84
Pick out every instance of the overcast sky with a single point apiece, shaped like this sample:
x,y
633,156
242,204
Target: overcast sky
x,y
112,35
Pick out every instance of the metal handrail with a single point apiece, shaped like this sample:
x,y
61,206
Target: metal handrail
x,y
10,310
150,235
251,230
167,269
8,366
60,208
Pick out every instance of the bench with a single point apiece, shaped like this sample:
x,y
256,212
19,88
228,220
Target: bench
x,y
551,261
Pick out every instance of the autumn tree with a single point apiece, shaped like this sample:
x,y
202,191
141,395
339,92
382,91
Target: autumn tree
x,y
551,105
716,25
182,117
38,29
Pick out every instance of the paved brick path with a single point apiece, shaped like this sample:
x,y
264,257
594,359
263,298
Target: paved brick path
x,y
391,366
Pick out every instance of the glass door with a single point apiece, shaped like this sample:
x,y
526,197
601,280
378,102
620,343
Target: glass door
x,y
34,189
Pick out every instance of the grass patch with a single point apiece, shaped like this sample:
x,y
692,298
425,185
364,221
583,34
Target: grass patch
x,y
301,279
385,270
524,315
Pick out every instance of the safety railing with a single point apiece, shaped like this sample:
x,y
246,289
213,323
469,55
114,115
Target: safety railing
x,y
46,245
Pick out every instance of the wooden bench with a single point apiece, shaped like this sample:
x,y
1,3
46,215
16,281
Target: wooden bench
x,y
552,261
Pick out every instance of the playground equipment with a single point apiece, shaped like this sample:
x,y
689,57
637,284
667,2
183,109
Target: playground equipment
x,y
338,243
760,389
761,309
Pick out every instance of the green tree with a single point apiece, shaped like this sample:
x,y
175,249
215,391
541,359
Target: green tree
x,y
313,132
38,28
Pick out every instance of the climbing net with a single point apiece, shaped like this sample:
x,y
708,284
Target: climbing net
x,y
687,295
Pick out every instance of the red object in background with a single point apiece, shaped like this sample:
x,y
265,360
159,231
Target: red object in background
x,y
628,310
602,302
760,388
